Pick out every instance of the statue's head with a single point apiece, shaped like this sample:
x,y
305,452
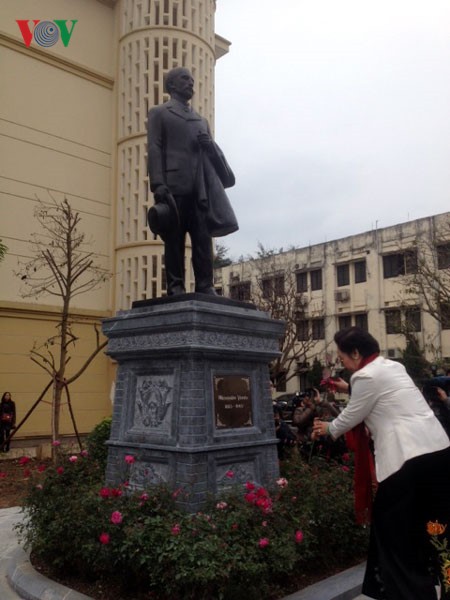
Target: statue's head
x,y
179,83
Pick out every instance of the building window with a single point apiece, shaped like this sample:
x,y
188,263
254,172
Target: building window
x,y
302,282
393,321
411,262
316,279
302,330
318,329
360,271
445,315
345,321
403,263
278,286
267,288
240,291
280,382
273,287
443,256
358,320
412,319
361,321
343,275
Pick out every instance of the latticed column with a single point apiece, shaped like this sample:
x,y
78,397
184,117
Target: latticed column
x,y
154,37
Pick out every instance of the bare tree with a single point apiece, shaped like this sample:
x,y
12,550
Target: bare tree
x,y
276,293
221,258
430,282
61,267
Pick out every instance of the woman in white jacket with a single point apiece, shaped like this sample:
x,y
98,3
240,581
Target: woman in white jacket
x,y
412,461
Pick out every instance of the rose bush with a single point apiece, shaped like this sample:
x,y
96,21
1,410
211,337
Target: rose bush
x,y
252,538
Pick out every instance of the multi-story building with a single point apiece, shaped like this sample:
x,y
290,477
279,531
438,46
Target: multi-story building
x,y
78,79
362,280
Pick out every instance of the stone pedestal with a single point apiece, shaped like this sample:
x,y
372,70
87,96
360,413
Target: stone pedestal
x,y
192,401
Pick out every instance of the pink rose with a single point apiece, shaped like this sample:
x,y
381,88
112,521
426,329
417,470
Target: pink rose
x,y
250,497
263,542
84,453
176,529
129,459
105,492
56,443
250,486
221,505
24,460
298,537
73,458
229,474
41,468
116,517
282,482
144,497
60,470
104,538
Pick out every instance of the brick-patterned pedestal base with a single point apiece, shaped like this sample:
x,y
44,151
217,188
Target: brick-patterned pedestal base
x,y
173,355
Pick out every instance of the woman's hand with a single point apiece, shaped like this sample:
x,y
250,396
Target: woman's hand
x,y
320,428
317,399
442,395
341,385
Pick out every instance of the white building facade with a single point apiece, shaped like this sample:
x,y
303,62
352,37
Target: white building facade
x,y
359,280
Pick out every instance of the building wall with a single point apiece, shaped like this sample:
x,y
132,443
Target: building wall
x,y
371,297
73,124
55,141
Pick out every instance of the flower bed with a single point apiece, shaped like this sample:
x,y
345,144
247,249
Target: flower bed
x,y
253,539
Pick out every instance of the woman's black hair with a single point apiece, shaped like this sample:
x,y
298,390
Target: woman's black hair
x,y
354,338
4,396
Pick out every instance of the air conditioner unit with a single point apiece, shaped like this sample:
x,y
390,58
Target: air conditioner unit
x,y
342,295
301,301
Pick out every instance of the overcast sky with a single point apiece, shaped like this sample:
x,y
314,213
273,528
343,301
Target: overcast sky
x,y
334,115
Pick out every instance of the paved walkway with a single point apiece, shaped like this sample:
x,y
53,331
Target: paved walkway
x,y
8,545
18,579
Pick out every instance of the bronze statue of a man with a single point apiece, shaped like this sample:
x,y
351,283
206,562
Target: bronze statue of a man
x,y
188,173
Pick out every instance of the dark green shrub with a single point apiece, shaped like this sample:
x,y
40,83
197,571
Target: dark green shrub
x,y
251,539
96,442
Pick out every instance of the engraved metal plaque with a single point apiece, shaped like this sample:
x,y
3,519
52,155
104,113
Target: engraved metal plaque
x,y
232,401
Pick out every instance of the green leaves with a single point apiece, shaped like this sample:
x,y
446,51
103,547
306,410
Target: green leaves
x,y
252,538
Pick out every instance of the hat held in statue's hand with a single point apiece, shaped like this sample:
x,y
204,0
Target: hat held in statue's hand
x,y
161,218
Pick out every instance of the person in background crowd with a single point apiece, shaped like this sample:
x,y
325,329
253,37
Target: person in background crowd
x,y
311,406
7,420
412,459
440,405
286,437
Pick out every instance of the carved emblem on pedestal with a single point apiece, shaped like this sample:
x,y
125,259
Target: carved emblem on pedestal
x,y
154,397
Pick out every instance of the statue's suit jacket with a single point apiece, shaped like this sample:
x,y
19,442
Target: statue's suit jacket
x,y
176,159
